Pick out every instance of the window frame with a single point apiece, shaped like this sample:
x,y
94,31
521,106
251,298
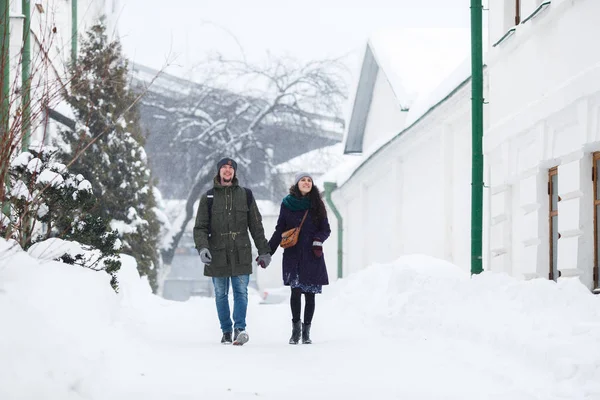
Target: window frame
x,y
552,248
596,204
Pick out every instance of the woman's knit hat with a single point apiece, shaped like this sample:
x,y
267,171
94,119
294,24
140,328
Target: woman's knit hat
x,y
301,175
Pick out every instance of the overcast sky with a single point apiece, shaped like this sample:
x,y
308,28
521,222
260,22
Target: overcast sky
x,y
186,30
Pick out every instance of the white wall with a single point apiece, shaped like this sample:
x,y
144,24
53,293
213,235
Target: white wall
x,y
385,116
52,27
546,65
544,112
51,45
413,196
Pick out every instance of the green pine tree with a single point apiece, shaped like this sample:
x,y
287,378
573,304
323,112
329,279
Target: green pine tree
x,y
109,147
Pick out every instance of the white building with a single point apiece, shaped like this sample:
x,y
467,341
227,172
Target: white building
x,y
411,193
542,138
51,32
401,195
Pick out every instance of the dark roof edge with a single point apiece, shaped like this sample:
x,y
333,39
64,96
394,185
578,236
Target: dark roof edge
x,y
362,102
58,117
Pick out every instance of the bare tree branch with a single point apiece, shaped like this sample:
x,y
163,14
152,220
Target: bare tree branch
x,y
280,92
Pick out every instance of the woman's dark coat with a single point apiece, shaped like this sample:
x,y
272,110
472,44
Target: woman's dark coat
x,y
312,269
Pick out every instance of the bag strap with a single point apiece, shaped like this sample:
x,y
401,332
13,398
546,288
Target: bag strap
x,y
303,218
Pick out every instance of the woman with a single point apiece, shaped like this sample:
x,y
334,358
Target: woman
x,y
304,267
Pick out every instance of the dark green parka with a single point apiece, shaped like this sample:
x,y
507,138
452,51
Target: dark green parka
x,y
229,241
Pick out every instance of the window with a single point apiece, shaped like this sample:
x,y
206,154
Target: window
x,y
503,22
518,11
553,199
512,13
595,173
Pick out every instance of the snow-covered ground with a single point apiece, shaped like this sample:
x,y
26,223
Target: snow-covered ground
x,y
418,328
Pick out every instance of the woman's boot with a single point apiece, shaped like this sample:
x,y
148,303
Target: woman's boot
x,y
306,334
295,332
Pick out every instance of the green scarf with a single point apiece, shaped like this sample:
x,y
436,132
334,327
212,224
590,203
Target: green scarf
x,y
295,204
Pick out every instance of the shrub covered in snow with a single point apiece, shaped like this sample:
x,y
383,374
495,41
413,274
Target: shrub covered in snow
x,y
47,201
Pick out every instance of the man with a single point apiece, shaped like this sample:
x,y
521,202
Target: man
x,y
225,215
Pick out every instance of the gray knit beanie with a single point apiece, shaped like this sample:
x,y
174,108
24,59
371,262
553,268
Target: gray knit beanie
x,y
301,175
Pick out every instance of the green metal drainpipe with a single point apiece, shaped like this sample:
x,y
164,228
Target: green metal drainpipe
x,y
74,31
329,188
477,141
25,76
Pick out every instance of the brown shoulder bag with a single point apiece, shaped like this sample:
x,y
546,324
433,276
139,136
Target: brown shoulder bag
x,y
289,238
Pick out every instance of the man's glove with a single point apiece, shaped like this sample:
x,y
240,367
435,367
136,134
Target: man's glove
x,y
205,256
317,248
264,260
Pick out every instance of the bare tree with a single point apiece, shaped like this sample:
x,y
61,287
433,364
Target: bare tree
x,y
282,91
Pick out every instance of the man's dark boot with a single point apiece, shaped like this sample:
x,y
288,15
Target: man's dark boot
x,y
306,334
226,339
296,331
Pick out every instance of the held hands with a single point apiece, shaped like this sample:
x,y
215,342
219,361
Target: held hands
x,y
317,248
205,256
264,260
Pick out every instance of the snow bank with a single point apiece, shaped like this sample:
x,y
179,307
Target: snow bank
x,y
550,326
54,248
388,331
59,322
54,325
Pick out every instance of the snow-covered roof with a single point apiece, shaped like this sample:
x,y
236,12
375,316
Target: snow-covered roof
x,y
417,60
425,103
413,60
319,160
426,100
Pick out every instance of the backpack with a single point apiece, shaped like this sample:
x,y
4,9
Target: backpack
x,y
210,194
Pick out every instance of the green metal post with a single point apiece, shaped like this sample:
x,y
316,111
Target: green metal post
x,y
5,95
330,187
26,103
74,31
25,76
5,63
477,141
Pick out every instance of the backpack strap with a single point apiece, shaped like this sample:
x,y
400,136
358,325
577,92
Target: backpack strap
x,y
210,195
249,198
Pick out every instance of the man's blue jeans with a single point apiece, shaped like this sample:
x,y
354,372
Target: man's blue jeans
x,y
240,301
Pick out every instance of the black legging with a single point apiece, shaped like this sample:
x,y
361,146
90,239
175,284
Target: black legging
x,y
296,305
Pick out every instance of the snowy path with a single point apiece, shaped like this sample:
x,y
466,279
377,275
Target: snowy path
x,y
183,360
179,358
414,329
